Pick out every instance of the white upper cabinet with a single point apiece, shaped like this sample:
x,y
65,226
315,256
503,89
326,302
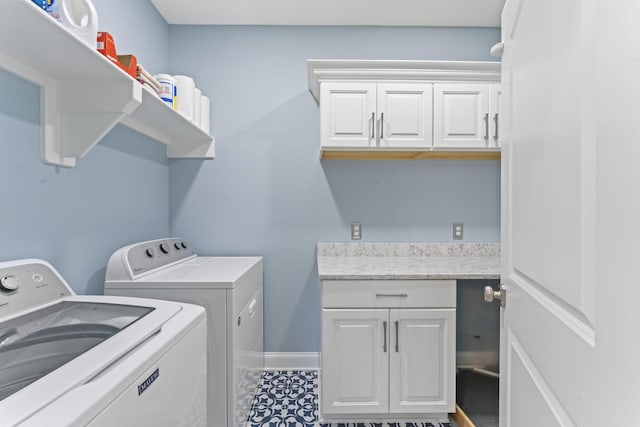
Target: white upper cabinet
x,y
370,115
348,115
495,96
406,109
465,115
405,115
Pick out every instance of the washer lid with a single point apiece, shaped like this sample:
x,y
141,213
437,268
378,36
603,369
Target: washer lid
x,y
39,342
50,350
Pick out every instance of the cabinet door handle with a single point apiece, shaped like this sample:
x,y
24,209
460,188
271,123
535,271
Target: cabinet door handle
x,y
495,120
373,126
384,346
486,126
392,295
397,339
381,125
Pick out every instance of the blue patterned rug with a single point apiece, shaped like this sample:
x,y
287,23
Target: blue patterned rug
x,y
290,399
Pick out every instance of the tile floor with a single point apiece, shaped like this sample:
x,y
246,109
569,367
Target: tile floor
x,y
290,399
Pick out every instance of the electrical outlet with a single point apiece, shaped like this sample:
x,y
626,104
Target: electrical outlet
x,y
458,231
356,231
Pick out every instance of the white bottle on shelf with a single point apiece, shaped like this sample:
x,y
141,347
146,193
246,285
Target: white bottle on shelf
x,y
80,17
196,107
205,114
186,88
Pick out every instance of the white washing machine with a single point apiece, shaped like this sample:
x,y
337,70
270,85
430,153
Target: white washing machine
x,y
70,360
230,288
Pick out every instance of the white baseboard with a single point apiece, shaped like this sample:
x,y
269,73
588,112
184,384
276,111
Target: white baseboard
x,y
274,361
479,359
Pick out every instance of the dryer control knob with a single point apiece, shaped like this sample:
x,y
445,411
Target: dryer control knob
x,y
149,253
164,248
177,246
184,245
10,283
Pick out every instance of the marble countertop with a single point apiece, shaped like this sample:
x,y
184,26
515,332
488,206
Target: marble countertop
x,y
408,261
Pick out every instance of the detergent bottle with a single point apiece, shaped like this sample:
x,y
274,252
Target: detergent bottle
x,y
52,7
79,17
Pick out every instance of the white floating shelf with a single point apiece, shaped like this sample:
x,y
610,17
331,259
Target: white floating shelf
x,y
84,95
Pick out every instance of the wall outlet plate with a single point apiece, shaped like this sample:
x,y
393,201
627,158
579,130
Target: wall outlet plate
x,y
356,231
458,231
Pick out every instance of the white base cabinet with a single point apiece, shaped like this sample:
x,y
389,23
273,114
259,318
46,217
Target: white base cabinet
x,y
355,368
422,360
387,349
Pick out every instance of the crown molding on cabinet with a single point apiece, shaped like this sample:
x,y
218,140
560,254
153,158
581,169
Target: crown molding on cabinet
x,y
322,70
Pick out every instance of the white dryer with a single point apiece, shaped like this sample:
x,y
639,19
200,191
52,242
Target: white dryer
x,y
70,360
230,288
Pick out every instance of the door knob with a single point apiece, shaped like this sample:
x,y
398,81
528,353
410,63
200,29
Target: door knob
x,y
490,294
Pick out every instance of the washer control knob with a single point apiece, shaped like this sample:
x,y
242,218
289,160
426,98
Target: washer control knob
x,y
184,245
164,248
10,283
149,253
177,246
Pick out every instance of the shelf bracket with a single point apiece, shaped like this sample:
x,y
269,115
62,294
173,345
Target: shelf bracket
x,y
191,151
76,114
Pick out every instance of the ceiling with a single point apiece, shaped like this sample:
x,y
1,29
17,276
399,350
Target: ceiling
x,y
450,13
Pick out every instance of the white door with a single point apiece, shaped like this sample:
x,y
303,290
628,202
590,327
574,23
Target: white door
x,y
405,115
570,168
355,361
422,361
461,115
348,115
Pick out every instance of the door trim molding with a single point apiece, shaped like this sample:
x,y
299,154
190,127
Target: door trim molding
x,y
573,319
515,348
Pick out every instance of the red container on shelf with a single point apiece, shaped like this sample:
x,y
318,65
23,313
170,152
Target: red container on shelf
x,y
107,47
129,63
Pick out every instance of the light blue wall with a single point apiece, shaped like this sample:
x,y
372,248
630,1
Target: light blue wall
x,y
75,218
266,193
137,28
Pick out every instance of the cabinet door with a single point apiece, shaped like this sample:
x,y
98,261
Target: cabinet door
x,y
422,361
347,115
461,116
355,366
405,115
495,93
